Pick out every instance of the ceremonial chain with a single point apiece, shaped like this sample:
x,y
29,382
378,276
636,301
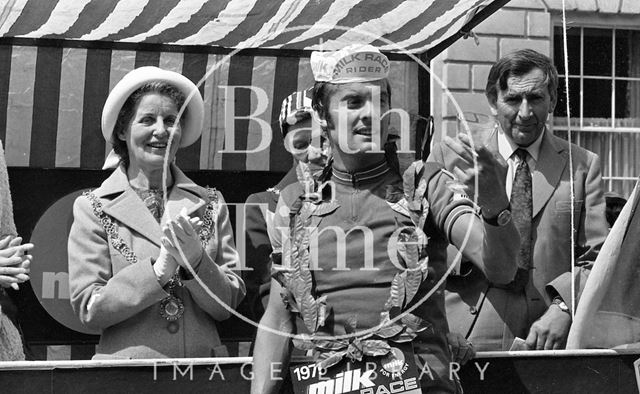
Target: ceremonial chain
x,y
171,307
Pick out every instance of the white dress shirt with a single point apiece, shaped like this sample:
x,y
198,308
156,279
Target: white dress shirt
x,y
507,149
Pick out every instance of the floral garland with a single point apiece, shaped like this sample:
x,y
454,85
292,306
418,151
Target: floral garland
x,y
299,295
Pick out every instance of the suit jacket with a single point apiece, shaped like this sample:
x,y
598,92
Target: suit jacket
x,y
122,300
502,314
258,245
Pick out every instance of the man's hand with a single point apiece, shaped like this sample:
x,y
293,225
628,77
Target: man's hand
x,y
550,331
461,349
490,169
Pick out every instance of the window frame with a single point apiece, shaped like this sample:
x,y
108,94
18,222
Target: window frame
x,y
612,23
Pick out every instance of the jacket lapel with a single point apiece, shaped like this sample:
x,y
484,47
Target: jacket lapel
x,y
551,163
184,194
130,210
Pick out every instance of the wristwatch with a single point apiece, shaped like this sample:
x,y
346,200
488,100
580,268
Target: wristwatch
x,y
561,304
502,219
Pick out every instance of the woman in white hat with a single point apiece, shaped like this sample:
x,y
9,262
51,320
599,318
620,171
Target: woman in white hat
x,y
151,252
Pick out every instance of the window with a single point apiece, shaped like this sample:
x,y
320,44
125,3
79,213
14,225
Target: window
x,y
604,90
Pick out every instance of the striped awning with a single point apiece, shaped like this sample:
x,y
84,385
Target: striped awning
x,y
60,58
51,100
391,25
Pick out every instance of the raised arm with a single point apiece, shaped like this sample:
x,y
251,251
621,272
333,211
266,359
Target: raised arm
x,y
490,245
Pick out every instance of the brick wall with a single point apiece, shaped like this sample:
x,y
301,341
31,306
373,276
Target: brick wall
x,y
459,74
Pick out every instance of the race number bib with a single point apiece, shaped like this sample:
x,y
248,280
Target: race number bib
x,y
394,373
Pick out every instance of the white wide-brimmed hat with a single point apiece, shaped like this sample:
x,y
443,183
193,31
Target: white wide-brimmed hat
x,y
192,123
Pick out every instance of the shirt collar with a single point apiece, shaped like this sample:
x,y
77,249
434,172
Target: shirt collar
x,y
506,147
366,175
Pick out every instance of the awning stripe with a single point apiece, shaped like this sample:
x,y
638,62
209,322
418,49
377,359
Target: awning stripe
x,y
70,116
194,67
205,143
196,21
17,145
33,14
358,15
289,9
122,16
89,18
171,60
386,24
96,90
325,29
10,13
305,78
69,87
287,77
262,11
411,27
317,13
240,74
181,13
227,20
63,16
218,66
45,102
264,70
121,63
444,22
233,23
151,15
147,58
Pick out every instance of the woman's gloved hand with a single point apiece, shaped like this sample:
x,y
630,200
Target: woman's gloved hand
x,y
182,242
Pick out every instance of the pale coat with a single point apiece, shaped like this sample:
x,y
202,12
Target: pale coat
x,y
504,315
126,297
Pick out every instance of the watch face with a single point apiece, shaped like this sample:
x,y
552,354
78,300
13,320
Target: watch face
x,y
504,217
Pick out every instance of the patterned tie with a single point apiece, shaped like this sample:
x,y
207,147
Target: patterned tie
x,y
522,212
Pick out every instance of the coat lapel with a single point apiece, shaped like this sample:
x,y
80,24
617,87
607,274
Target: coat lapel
x,y
551,163
184,194
126,207
130,210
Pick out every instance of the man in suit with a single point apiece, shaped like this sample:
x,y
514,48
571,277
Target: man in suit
x,y
539,176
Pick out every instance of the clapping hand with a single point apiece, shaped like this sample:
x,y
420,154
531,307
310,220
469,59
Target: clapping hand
x,y
182,241
490,168
14,261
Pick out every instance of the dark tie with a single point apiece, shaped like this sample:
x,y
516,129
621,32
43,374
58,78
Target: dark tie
x,y
521,212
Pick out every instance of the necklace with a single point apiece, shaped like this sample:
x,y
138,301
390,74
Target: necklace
x,y
154,200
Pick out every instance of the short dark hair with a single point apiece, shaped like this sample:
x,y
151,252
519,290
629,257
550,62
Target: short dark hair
x,y
516,64
129,106
322,93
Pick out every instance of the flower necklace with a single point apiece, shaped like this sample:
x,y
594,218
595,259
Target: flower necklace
x,y
396,325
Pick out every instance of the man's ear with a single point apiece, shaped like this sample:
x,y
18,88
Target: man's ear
x,y
493,105
554,100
